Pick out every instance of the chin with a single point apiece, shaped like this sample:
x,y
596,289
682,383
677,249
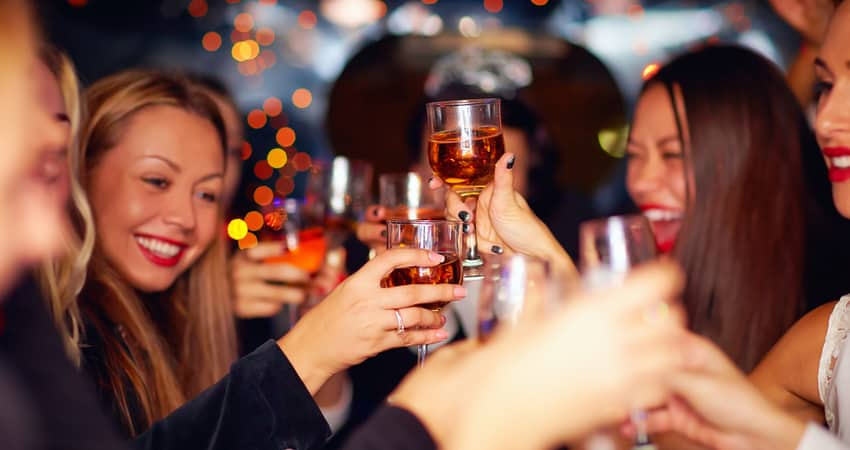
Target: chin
x,y
150,283
841,198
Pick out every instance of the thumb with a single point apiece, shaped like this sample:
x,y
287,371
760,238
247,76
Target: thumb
x,y
503,181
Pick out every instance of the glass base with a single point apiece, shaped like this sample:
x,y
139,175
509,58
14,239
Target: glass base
x,y
473,268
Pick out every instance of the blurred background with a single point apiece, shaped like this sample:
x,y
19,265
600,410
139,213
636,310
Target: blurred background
x,y
325,77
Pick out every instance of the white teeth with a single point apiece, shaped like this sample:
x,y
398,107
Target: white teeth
x,y
656,215
160,248
841,162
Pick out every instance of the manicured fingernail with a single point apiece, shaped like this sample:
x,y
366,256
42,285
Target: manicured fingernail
x,y
466,228
464,216
442,319
496,249
430,179
511,161
459,292
436,257
441,335
384,234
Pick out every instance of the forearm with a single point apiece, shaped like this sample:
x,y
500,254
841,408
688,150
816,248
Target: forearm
x,y
304,360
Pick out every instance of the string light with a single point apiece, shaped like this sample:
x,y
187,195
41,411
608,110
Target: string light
x,y
211,41
302,98
237,229
285,137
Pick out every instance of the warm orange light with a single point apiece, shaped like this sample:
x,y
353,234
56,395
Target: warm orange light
x,y
649,71
211,41
263,195
243,22
237,36
249,241
78,3
198,8
245,50
265,36
493,6
307,19
246,150
249,68
273,106
256,119
276,158
635,11
268,58
232,1
237,229
302,161
302,98
262,170
254,220
429,2
539,2
268,2
284,186
285,137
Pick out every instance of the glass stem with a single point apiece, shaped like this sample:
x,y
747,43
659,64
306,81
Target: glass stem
x,y
471,238
421,354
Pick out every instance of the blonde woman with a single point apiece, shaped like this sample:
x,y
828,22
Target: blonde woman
x,y
159,325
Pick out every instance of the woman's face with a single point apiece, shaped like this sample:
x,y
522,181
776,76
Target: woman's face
x,y
656,174
832,122
32,220
54,164
156,196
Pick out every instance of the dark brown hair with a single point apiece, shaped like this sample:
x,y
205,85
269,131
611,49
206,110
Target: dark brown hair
x,y
742,239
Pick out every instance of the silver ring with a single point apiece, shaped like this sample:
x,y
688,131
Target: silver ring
x,y
400,328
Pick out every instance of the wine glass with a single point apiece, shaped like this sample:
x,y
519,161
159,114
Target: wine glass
x,y
465,141
609,248
516,288
406,196
439,236
304,246
337,194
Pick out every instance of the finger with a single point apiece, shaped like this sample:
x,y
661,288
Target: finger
x,y
503,180
456,208
280,273
435,183
413,337
256,309
375,213
269,293
383,264
372,234
264,250
414,318
704,356
419,294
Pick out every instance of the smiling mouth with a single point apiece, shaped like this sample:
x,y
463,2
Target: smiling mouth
x,y
159,251
665,226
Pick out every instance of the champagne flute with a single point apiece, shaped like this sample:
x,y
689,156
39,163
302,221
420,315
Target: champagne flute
x,y
465,141
516,288
439,236
406,196
609,248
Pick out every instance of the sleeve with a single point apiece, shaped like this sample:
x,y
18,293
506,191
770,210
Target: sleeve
x,y
260,404
392,428
818,438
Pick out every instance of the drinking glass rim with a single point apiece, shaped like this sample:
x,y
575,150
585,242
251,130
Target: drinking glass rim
x,y
422,221
623,218
465,102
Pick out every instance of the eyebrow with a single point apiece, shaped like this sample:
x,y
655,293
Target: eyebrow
x,y
166,161
668,140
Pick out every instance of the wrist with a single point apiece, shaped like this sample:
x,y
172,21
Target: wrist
x,y
304,360
782,432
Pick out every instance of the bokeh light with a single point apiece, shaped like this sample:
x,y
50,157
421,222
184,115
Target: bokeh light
x,y
238,36
211,41
301,161
249,68
302,98
285,137
245,50
307,19
284,186
635,12
493,6
237,229
268,58
243,22
289,169
649,71
257,119
198,8
265,36
278,122
249,241
429,2
254,220
78,3
276,158
263,170
268,2
246,150
263,195
273,106
540,2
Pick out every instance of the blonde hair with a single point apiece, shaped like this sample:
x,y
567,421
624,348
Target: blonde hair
x,y
154,359
62,279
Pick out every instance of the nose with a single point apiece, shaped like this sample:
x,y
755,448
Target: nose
x,y
643,177
180,211
833,114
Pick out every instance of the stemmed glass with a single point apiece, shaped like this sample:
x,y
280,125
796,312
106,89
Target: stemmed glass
x,y
406,196
337,194
439,236
609,248
465,141
516,288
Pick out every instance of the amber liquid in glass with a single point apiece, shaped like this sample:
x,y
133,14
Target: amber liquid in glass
x,y
465,160
407,213
449,271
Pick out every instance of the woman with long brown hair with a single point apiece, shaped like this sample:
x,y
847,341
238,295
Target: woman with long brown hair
x,y
159,325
